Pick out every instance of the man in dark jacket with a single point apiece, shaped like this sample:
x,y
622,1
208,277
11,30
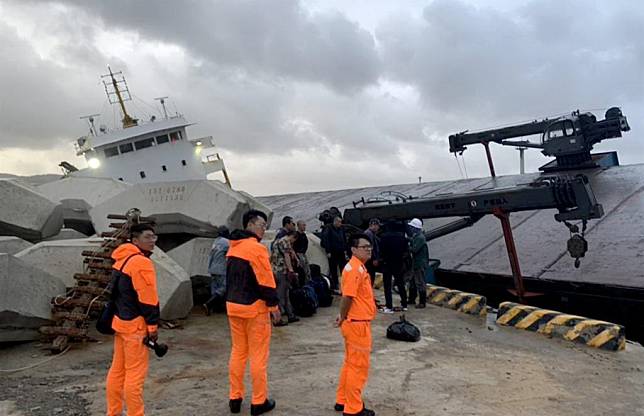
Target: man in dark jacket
x,y
393,247
334,242
251,302
373,264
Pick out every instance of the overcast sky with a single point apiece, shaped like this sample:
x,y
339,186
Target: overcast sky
x,y
319,94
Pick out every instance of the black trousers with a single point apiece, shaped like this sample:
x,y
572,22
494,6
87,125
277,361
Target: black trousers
x,y
389,272
337,261
371,269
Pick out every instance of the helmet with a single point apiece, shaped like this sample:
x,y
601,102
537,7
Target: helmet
x,y
416,223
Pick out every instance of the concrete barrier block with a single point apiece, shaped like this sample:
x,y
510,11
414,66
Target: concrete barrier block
x,y
60,258
193,255
25,294
26,213
13,245
593,333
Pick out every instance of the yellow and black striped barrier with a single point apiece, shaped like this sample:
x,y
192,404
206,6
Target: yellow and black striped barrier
x,y
454,299
597,334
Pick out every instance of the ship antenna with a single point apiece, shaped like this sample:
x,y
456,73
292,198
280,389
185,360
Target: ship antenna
x,y
90,120
162,101
122,94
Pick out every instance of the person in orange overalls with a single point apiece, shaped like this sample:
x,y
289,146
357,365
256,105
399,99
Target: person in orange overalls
x,y
357,310
137,316
251,302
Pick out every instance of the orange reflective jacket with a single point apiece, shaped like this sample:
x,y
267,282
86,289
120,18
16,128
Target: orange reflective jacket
x,y
250,284
137,302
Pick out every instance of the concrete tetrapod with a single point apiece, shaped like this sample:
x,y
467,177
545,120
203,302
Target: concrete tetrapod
x,y
182,210
60,258
13,245
63,259
26,213
25,294
78,195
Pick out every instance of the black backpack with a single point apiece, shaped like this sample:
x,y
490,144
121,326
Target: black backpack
x,y
403,330
105,317
322,287
304,301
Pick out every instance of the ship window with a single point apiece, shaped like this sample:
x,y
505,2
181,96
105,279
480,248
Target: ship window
x,y
120,179
164,168
142,174
175,136
111,151
142,144
183,162
126,147
162,139
570,130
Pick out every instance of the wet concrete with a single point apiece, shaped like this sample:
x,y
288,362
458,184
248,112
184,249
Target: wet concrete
x,y
463,365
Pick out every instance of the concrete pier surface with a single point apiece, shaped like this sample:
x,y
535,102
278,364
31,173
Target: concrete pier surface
x,y
463,365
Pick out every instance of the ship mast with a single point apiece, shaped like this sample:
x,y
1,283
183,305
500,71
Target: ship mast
x,y
117,92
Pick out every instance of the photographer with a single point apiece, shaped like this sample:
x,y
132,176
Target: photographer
x,y
136,318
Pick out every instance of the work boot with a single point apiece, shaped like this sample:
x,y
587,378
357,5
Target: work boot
x,y
280,323
363,412
420,306
258,409
338,407
293,319
235,405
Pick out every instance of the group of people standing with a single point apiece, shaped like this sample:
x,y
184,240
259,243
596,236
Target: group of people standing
x,y
288,262
254,286
399,252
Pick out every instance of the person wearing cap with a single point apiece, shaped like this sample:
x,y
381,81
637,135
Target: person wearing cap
x,y
420,256
374,262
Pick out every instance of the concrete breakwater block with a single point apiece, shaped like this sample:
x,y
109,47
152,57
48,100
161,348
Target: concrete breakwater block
x,y
60,258
193,255
78,195
173,285
25,294
194,207
26,213
13,245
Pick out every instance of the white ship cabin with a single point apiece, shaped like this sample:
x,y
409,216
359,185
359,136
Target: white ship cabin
x,y
154,151
158,151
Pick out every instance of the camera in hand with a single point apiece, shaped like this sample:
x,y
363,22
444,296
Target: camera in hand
x,y
159,349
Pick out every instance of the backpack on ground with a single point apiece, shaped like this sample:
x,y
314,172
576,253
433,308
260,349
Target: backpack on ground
x,y
322,287
403,330
304,301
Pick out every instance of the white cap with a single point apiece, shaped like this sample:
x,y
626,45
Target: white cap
x,y
416,223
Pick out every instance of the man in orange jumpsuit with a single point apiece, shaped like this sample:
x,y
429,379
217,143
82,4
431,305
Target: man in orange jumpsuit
x,y
137,316
357,310
251,302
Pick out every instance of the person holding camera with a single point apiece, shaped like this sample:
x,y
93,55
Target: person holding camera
x,y
135,321
251,302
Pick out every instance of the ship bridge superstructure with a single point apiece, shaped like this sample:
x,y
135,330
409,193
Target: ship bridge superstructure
x,y
158,150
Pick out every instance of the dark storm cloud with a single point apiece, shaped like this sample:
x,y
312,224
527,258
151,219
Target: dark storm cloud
x,y
279,38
